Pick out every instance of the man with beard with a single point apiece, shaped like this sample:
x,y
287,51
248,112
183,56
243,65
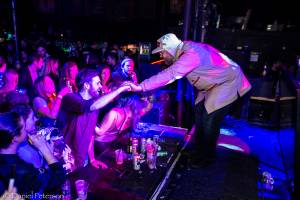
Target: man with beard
x,y
79,112
218,80
125,72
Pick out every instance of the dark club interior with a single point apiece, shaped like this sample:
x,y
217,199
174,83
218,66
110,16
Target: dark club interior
x,y
149,99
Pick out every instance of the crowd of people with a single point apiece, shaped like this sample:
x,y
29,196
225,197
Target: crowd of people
x,y
45,92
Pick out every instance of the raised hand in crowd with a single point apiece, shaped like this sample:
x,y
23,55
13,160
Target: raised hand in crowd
x,y
64,91
133,76
11,192
11,195
43,146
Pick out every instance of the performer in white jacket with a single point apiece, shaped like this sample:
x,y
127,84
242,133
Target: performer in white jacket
x,y
218,80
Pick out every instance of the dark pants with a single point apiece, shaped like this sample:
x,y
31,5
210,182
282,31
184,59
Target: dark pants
x,y
208,130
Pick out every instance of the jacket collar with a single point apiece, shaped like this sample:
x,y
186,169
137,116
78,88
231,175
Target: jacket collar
x,y
179,51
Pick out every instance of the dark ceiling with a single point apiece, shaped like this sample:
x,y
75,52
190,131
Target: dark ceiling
x,y
142,19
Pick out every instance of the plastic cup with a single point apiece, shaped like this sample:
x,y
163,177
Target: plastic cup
x,y
82,189
119,156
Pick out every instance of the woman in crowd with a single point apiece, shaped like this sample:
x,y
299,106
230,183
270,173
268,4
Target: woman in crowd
x,y
120,118
106,79
68,76
28,179
51,70
47,103
30,74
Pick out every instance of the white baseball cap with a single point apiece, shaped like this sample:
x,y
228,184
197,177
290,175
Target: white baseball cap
x,y
168,42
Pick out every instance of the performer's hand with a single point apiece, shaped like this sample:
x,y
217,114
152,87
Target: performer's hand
x,y
126,83
124,87
98,163
134,87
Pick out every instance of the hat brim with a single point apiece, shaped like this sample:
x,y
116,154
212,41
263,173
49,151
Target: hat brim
x,y
158,49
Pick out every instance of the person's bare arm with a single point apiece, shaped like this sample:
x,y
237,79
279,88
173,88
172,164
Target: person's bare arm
x,y
108,121
134,78
52,111
91,152
180,68
94,162
146,109
134,87
45,110
104,100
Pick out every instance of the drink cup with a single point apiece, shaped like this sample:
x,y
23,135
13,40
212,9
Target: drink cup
x,y
119,156
151,154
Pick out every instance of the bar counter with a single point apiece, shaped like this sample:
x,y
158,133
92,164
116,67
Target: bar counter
x,y
123,181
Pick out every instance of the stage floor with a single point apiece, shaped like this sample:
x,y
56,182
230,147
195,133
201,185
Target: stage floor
x,y
245,153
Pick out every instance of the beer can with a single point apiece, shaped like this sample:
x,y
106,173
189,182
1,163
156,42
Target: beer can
x,y
143,145
151,160
136,162
135,144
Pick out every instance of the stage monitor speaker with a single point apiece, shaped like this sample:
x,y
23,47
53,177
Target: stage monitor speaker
x,y
262,111
263,88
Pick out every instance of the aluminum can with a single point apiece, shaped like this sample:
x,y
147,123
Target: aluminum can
x,y
136,162
143,145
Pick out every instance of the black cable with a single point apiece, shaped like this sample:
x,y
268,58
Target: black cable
x,y
278,115
283,161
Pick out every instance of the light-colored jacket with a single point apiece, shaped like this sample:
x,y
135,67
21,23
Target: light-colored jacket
x,y
218,79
